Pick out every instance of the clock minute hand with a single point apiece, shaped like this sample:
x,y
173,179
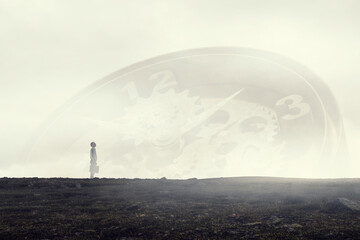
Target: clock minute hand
x,y
205,115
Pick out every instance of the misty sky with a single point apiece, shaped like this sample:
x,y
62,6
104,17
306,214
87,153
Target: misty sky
x,y
51,50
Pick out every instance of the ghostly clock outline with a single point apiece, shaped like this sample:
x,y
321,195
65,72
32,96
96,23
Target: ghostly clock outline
x,y
333,131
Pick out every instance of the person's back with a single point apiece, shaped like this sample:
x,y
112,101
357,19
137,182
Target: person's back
x,y
93,158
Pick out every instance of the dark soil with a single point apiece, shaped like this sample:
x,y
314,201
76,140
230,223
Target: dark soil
x,y
224,208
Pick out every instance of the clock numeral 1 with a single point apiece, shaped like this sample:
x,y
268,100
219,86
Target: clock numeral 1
x,y
131,90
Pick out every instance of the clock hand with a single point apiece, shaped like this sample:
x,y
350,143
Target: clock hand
x,y
205,115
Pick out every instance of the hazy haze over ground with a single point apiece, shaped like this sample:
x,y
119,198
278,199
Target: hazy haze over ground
x,y
50,50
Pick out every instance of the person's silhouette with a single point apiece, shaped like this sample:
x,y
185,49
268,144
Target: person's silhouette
x,y
94,168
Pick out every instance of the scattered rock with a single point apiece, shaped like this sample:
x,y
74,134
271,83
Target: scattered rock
x,y
275,220
291,227
132,208
252,224
353,205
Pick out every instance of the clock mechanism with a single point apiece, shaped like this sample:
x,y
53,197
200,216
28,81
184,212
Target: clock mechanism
x,y
212,112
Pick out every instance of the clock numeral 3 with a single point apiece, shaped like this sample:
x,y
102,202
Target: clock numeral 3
x,y
297,108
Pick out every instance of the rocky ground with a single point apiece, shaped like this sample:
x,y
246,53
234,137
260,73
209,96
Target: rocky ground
x,y
224,208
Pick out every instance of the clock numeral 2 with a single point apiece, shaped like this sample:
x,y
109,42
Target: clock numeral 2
x,y
165,80
297,108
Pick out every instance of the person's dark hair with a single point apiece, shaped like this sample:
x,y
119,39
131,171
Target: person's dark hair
x,y
93,144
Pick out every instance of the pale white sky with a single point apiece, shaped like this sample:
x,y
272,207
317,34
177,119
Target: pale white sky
x,y
52,49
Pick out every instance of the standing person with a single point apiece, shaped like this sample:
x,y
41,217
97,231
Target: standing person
x,y
94,168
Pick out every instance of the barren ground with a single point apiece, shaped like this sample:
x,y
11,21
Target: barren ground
x,y
223,208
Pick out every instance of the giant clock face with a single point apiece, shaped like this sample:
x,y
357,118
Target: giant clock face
x,y
212,112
